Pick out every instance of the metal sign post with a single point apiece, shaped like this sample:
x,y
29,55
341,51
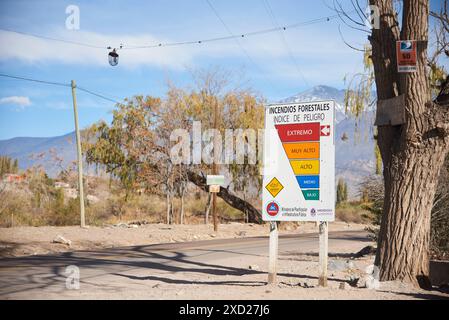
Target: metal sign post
x,y
273,255
215,166
322,280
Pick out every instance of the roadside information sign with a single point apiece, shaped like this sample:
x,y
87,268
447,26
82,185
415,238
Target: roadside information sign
x,y
214,188
406,55
299,162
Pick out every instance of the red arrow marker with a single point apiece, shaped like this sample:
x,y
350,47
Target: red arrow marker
x,y
325,131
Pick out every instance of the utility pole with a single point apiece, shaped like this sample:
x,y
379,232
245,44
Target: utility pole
x,y
80,157
214,164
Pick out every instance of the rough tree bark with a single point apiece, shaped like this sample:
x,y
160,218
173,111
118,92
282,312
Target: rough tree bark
x,y
254,215
412,153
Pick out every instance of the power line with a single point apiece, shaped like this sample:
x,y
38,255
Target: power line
x,y
245,52
230,32
239,35
35,80
55,39
59,84
284,40
98,95
188,42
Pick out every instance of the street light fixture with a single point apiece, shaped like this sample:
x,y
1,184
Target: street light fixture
x,y
113,57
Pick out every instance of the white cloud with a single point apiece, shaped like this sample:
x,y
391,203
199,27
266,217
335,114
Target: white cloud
x,y
34,50
303,43
16,100
321,55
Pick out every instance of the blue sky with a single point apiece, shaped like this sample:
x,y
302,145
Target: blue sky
x,y
31,109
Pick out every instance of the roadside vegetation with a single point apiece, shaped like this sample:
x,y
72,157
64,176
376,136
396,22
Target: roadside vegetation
x,y
8,165
39,200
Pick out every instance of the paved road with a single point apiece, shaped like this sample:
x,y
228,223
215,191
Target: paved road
x,y
110,270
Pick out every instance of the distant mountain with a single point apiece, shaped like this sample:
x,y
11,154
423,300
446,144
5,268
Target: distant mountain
x,y
318,93
354,155
321,92
41,151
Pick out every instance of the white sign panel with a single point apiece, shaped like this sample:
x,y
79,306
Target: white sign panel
x,y
215,180
299,162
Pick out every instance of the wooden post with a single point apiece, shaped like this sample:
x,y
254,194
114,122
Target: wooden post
x,y
80,157
273,254
322,280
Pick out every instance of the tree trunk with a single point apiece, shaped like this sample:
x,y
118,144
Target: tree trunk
x,y
412,153
182,208
172,209
168,207
207,209
245,214
234,201
405,229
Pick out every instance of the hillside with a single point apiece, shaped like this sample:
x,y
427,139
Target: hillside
x,y
354,156
32,151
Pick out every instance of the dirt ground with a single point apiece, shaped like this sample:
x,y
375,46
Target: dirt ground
x,y
297,280
25,241
238,278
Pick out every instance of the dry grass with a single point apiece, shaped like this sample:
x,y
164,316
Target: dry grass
x,y
25,206
20,208
352,212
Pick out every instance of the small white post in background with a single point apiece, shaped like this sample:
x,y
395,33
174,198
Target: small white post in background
x,y
322,280
273,254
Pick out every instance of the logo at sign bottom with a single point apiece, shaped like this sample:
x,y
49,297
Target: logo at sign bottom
x,y
272,208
